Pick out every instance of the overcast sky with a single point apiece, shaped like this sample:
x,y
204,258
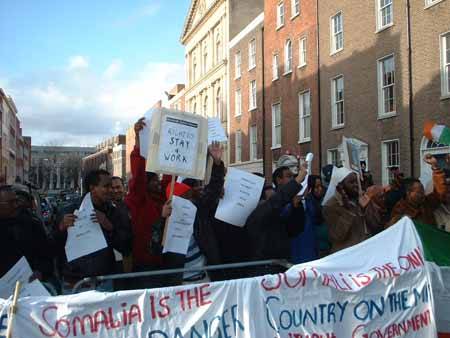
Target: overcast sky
x,y
81,71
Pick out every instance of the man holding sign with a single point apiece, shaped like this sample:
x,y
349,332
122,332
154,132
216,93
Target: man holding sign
x,y
190,239
270,225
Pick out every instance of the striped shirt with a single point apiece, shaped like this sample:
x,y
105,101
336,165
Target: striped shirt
x,y
194,259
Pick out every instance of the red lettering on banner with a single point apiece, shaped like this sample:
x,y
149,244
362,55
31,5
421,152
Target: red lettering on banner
x,y
204,294
163,304
268,287
100,318
191,298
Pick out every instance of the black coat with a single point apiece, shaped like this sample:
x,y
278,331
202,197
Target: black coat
x,y
21,236
101,262
270,230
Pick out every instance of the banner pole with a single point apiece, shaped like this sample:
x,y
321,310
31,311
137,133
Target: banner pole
x,y
169,198
13,310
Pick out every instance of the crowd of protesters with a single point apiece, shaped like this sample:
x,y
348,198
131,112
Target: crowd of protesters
x,y
338,209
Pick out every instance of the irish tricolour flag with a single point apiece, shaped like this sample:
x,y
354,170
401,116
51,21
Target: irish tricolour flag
x,y
438,133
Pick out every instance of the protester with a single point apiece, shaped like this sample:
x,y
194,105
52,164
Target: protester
x,y
125,229
313,242
342,212
442,213
204,245
367,179
416,205
21,237
375,212
396,189
144,200
98,184
273,224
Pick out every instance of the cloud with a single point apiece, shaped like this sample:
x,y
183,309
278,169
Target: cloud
x,y
81,108
148,10
78,62
113,69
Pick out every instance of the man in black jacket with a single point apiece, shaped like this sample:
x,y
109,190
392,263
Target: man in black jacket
x,y
21,236
102,262
274,222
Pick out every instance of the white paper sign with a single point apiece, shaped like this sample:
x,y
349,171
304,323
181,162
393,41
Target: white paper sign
x,y
144,134
21,271
85,237
179,143
352,157
216,131
242,194
180,226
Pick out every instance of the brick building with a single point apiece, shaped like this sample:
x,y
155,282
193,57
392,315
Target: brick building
x,y
371,88
430,61
290,80
13,166
246,60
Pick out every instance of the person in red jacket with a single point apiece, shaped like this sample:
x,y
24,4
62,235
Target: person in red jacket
x,y
144,200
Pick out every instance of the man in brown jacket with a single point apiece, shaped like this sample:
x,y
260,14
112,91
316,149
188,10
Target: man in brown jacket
x,y
342,211
416,205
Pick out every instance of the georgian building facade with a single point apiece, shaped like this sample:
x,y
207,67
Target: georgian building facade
x,y
205,36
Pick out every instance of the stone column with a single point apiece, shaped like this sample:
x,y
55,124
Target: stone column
x,y
58,177
50,186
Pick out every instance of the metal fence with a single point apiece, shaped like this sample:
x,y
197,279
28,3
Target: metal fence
x,y
227,271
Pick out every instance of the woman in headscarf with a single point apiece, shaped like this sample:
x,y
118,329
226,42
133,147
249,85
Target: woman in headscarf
x,y
342,211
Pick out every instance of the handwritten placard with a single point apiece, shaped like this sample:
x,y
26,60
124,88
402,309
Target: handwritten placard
x,y
242,194
216,131
179,144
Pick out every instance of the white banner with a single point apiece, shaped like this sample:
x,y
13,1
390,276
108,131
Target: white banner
x,y
379,288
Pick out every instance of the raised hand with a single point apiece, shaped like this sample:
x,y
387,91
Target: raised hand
x,y
431,160
67,221
216,152
138,126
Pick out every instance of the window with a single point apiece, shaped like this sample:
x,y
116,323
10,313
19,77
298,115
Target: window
x,y
194,69
337,33
390,158
275,67
445,68
252,54
384,13
218,50
337,101
302,52
253,143
238,148
205,60
334,157
276,125
304,106
386,86
219,105
429,3
238,103
295,7
205,106
288,57
280,15
237,59
252,95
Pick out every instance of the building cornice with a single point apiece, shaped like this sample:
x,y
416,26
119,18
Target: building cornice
x,y
188,31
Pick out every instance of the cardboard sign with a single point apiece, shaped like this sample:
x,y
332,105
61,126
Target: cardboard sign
x,y
178,145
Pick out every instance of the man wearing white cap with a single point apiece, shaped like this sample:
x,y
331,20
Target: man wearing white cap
x,y
342,211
